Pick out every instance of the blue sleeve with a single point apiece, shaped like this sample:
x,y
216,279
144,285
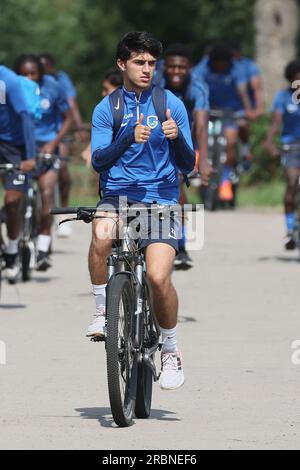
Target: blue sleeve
x,y
278,103
239,74
201,95
28,132
254,70
67,84
183,147
105,151
15,95
61,102
200,70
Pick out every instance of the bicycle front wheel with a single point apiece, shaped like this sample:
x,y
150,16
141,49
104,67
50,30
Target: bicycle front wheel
x,y
120,354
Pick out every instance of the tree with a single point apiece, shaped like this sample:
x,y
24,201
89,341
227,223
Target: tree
x,y
276,34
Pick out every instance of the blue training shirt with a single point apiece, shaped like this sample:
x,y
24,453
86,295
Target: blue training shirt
x,y
12,104
283,102
66,83
144,172
53,103
223,92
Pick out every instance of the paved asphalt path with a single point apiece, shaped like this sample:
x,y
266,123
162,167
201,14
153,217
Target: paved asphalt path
x,y
239,314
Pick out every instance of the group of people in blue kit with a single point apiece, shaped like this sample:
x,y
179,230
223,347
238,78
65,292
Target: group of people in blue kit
x,y
26,135
226,80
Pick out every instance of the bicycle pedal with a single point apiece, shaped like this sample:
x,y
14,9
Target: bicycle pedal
x,y
96,339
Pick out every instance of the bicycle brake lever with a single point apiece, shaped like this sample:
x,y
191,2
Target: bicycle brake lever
x,y
67,220
86,216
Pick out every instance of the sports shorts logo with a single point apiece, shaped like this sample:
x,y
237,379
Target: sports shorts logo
x,y
152,121
118,105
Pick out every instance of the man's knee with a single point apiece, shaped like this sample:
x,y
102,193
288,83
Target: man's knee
x,y
159,280
13,198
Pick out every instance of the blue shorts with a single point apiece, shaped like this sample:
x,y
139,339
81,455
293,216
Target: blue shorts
x,y
13,154
291,159
150,228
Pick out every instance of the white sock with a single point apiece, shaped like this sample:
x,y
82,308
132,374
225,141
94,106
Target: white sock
x,y
100,297
12,246
169,342
43,243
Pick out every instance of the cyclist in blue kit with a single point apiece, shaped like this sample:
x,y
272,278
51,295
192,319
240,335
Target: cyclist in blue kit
x,y
64,178
53,103
17,146
286,118
141,162
228,91
178,79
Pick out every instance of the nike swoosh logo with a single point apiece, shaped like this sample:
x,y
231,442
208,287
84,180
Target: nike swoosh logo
x,y
18,182
118,105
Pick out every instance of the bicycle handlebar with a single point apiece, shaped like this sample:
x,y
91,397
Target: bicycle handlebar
x,y
83,212
6,167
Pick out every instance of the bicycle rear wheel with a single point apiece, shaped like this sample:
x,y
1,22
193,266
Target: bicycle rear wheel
x,y
120,355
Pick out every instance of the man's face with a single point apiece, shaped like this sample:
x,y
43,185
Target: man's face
x,y
221,66
30,70
138,70
47,66
177,69
107,88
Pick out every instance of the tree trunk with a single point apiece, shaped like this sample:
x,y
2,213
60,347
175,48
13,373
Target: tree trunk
x,y
276,24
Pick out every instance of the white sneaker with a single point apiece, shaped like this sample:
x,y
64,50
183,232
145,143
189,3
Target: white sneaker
x,y
171,376
64,230
98,326
12,267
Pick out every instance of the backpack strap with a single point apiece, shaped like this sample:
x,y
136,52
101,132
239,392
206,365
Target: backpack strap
x,y
159,99
116,101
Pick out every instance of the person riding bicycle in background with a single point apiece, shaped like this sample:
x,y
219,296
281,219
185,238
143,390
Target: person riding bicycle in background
x,y
255,90
178,79
17,146
53,103
112,80
141,162
227,83
286,117
49,67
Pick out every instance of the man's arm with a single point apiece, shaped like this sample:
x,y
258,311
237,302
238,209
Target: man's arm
x,y
256,85
177,129
273,131
106,151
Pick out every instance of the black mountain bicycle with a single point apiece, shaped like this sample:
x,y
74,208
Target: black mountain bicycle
x,y
132,336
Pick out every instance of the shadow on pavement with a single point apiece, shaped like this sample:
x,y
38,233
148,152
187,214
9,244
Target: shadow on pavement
x,y
282,259
103,415
182,319
42,280
12,306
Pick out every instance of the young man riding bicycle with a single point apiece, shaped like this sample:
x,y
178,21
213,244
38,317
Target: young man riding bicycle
x,y
286,117
141,163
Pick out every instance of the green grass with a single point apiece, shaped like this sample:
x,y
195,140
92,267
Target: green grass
x,y
262,195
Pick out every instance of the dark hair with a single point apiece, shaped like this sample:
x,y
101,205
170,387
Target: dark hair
x,y
291,69
24,58
180,50
48,57
220,53
114,77
138,41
